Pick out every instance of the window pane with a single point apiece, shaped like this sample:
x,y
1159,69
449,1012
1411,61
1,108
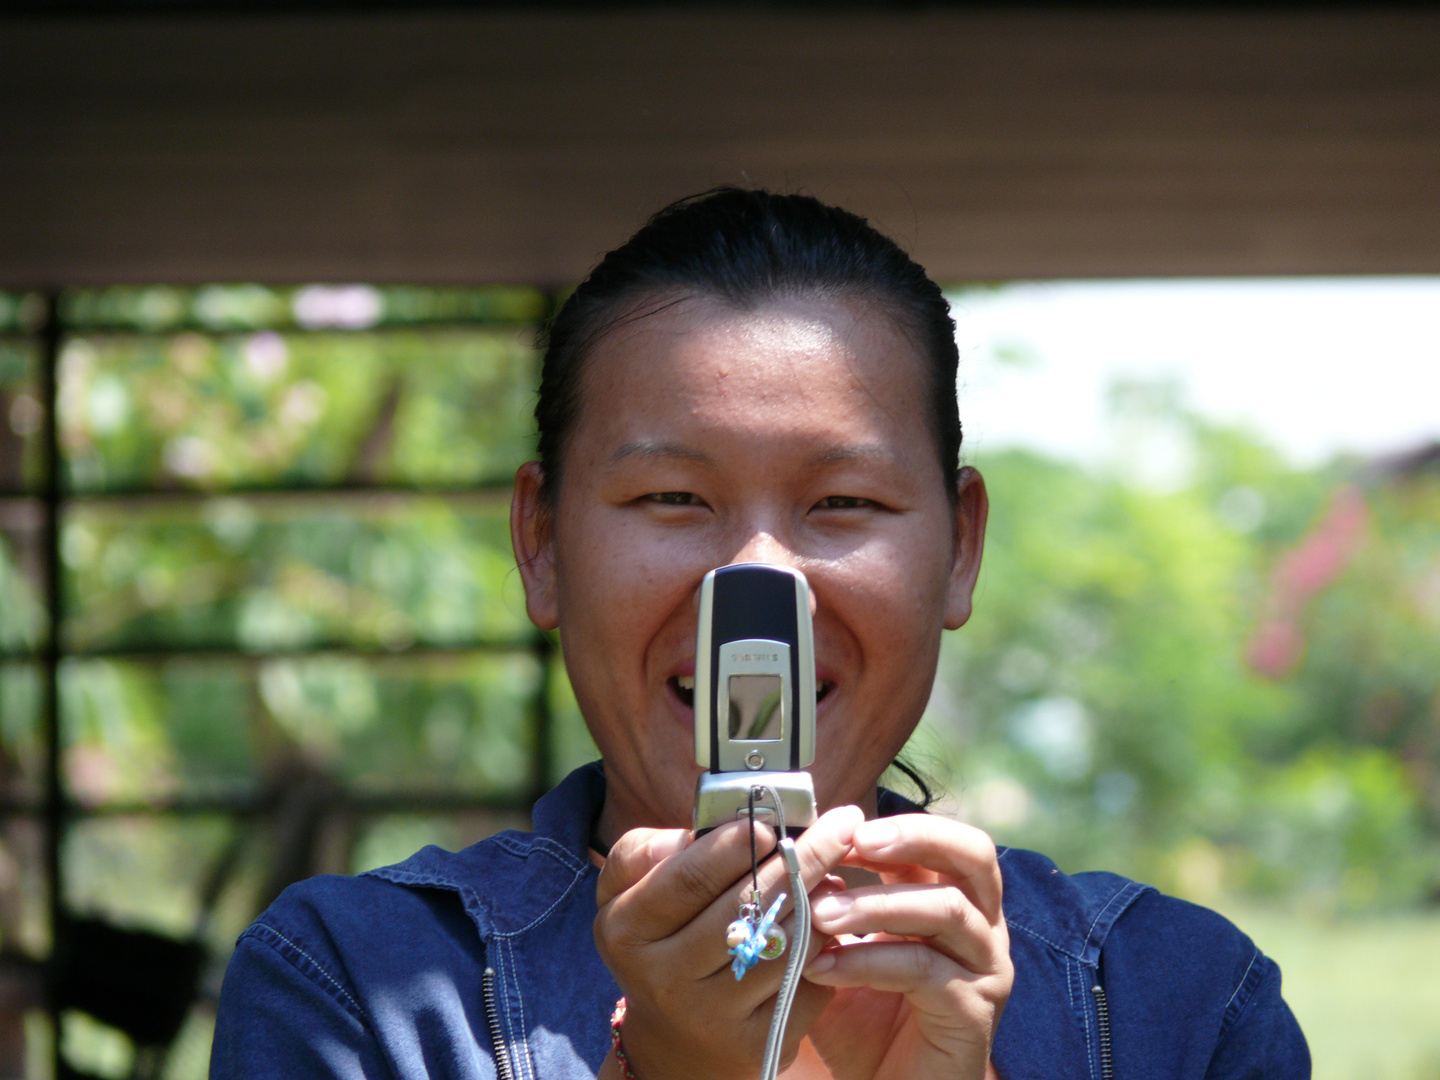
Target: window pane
x,y
460,725
24,934
23,617
21,751
440,406
432,725
21,313
22,416
375,571
143,872
24,901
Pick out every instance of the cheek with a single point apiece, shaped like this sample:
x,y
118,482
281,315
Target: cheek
x,y
602,595
620,585
896,588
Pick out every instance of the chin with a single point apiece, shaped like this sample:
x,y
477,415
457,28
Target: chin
x,y
674,805
844,784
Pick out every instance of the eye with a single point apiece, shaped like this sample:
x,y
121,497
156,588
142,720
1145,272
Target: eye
x,y
674,498
844,502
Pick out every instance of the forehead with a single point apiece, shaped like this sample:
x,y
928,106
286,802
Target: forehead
x,y
788,365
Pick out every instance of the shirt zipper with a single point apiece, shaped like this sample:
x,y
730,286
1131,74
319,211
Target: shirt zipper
x,y
1102,1026
492,1018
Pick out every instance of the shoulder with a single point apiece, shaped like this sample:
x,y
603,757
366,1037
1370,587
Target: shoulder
x,y
1100,908
1171,963
339,976
1163,926
1180,981
1178,955
330,910
1098,914
437,901
345,933
337,946
1073,914
437,904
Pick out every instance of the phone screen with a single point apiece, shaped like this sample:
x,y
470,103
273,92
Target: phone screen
x,y
755,711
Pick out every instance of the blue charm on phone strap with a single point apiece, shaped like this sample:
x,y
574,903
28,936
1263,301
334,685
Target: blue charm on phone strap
x,y
753,937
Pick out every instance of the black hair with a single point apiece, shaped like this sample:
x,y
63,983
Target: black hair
x,y
925,795
746,248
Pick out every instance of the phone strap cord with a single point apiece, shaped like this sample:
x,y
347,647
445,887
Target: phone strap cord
x,y
799,946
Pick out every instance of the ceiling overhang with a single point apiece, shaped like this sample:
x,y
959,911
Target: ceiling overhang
x,y
451,146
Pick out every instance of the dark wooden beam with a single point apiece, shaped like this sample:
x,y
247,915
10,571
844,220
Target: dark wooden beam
x,y
451,146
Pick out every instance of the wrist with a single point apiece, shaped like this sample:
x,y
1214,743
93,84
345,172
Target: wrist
x,y
617,1056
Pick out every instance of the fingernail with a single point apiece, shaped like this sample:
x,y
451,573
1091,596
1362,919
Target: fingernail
x,y
876,834
822,963
832,907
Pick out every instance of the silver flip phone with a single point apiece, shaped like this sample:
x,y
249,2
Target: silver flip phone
x,y
754,696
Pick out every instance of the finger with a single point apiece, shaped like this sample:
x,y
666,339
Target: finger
x,y
943,914
891,873
821,849
633,856
961,852
902,967
671,892
956,1011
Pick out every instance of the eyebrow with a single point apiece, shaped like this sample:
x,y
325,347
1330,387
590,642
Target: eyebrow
x,y
647,448
871,451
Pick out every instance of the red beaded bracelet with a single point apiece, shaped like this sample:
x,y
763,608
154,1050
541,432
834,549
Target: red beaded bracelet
x,y
616,1019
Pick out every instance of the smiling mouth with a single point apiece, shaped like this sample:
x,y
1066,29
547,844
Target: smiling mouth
x,y
684,687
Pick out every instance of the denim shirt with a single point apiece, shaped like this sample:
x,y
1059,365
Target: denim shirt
x,y
481,965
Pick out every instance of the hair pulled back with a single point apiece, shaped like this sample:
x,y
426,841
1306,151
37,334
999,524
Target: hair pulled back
x,y
746,248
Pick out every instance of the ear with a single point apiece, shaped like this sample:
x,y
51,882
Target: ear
x,y
972,509
532,537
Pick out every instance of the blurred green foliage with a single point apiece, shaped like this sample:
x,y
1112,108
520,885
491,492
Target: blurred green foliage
x,y
1106,705
440,407
1115,700
451,724
381,572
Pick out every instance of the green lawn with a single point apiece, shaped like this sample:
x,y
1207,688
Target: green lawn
x,y
1366,990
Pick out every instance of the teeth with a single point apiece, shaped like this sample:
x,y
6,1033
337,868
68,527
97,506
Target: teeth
x,y
687,682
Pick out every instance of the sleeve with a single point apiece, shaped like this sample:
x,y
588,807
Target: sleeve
x,y
282,1014
1260,1036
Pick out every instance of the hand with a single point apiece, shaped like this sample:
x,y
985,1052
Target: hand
x,y
664,905
920,998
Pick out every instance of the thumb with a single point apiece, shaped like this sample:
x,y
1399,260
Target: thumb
x,y
633,856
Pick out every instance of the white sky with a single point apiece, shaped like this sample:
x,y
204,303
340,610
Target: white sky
x,y
1314,365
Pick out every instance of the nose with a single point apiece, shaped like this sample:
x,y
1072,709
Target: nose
x,y
764,547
